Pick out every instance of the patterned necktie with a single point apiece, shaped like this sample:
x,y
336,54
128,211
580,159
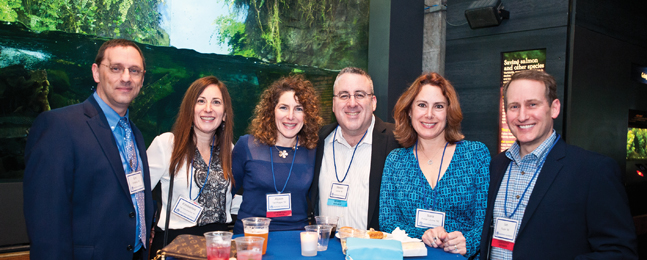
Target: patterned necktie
x,y
131,157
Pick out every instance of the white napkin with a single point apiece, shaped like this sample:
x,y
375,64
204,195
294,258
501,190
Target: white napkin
x,y
410,246
401,235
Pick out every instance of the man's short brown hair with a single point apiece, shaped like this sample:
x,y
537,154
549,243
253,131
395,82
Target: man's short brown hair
x,y
536,75
115,43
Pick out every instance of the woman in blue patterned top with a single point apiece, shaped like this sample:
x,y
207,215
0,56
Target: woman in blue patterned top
x,y
436,187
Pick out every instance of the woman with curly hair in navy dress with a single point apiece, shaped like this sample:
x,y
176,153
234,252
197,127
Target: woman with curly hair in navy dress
x,y
278,156
436,187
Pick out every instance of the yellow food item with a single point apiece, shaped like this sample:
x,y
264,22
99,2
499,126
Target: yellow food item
x,y
376,234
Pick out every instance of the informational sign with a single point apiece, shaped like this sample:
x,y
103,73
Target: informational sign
x,y
512,62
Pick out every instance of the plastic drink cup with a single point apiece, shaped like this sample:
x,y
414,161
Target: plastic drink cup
x,y
345,233
249,255
328,220
249,248
257,227
309,243
323,233
218,245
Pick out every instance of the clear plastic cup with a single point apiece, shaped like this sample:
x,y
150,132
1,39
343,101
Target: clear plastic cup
x,y
328,220
323,233
249,248
346,233
309,243
257,227
218,245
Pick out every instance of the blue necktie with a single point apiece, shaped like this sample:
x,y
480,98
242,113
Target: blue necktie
x,y
131,157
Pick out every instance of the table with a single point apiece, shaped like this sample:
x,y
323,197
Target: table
x,y
287,245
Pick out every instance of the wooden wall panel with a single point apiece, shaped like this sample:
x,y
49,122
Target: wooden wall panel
x,y
525,15
473,65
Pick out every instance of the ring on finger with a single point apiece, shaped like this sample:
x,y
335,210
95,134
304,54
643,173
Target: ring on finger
x,y
455,248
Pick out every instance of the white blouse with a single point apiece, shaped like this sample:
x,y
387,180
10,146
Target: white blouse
x,y
159,158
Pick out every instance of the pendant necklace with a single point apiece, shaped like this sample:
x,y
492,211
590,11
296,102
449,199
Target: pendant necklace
x,y
429,162
284,153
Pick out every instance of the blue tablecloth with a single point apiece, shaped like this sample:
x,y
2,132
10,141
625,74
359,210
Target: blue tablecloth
x,y
287,245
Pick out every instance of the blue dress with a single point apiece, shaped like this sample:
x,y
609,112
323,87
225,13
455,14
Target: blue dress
x,y
461,192
252,170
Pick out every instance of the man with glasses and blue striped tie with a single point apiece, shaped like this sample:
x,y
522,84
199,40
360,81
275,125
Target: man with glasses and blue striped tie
x,y
87,191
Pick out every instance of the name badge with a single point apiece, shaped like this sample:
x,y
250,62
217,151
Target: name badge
x,y
505,233
135,182
279,205
188,210
429,218
338,195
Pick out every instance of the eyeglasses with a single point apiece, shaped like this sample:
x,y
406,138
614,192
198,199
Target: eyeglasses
x,y
359,95
118,70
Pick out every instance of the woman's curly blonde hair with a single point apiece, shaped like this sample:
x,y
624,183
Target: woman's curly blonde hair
x,y
263,126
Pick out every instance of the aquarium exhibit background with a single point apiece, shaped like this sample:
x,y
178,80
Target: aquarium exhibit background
x,y
636,143
47,48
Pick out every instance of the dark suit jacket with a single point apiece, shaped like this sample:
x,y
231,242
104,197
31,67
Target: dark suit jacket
x,y
577,210
383,143
76,198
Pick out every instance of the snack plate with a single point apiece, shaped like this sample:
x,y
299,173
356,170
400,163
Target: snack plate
x,y
388,236
407,252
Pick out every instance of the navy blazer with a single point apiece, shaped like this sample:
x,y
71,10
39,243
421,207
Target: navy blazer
x,y
76,199
577,210
383,143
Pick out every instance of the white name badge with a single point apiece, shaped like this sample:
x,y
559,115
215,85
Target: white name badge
x,y
339,191
188,210
338,195
429,218
505,229
279,205
135,182
505,233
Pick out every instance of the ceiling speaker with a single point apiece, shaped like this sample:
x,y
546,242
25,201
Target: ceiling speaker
x,y
486,13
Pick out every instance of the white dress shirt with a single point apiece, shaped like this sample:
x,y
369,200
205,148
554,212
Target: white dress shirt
x,y
356,213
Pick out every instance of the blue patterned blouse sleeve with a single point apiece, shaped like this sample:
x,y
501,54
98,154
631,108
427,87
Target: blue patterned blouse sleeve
x,y
481,180
390,215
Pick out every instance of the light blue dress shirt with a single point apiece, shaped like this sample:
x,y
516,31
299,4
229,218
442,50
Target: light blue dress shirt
x,y
119,134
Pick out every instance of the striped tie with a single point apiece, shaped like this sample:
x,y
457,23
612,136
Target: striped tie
x,y
131,157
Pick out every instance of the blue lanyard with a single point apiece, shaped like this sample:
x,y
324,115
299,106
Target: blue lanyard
x,y
208,170
122,150
433,190
334,160
290,173
541,165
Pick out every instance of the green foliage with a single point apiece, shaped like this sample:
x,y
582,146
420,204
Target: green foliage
x,y
134,20
232,32
540,55
637,143
7,12
323,33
